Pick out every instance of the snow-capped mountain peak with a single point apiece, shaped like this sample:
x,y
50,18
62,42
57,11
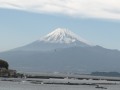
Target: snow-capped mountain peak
x,y
61,35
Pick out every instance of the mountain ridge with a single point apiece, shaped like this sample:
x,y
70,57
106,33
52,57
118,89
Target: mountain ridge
x,y
62,57
62,35
59,38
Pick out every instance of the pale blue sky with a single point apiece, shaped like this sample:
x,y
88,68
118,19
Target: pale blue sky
x,y
18,28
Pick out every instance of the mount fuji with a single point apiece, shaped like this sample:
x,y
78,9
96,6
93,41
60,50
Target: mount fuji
x,y
64,36
62,51
59,38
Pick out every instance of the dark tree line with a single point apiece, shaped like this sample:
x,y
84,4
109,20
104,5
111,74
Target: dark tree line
x,y
115,74
4,64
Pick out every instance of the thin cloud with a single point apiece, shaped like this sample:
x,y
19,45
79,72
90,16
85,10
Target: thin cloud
x,y
108,9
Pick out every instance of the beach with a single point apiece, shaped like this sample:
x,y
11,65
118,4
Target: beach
x,y
59,84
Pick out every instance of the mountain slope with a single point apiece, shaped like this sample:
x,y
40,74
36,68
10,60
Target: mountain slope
x,y
61,35
59,38
62,51
74,59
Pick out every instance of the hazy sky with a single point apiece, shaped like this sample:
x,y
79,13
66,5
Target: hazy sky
x,y
24,21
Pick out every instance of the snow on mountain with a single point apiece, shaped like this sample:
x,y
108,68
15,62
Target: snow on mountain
x,y
61,35
62,51
59,38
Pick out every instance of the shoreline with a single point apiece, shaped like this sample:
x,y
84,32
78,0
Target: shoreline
x,y
56,84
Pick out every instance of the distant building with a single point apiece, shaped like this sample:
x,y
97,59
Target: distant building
x,y
7,72
12,73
